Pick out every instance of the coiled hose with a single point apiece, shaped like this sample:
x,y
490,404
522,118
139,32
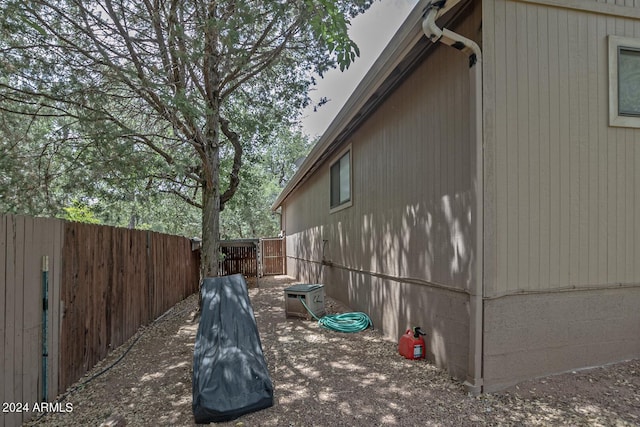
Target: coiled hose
x,y
345,322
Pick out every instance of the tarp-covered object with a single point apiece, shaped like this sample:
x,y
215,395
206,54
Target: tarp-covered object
x,y
230,375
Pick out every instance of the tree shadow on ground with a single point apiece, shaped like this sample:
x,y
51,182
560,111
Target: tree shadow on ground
x,y
325,378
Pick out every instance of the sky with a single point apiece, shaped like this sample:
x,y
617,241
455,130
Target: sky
x,y
371,31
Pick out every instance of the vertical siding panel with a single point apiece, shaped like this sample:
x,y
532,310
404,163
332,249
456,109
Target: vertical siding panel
x,y
582,124
603,154
636,193
604,151
620,193
512,158
630,218
544,138
564,142
491,162
555,144
636,199
572,163
437,185
614,213
523,139
592,125
610,194
534,148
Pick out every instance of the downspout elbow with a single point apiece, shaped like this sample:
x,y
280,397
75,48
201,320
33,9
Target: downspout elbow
x,y
429,27
443,35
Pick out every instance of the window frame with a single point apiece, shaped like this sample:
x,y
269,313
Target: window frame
x,y
616,43
349,202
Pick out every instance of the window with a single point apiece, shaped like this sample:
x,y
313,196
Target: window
x,y
624,82
341,182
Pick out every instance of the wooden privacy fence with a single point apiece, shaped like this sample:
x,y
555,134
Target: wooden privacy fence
x,y
115,280
103,284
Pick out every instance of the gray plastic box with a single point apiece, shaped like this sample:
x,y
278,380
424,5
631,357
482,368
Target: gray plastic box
x,y
311,294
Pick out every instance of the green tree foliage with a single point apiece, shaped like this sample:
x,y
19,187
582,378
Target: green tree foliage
x,y
155,83
80,212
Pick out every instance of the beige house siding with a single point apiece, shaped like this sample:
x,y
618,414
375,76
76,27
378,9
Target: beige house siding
x,y
404,251
562,190
560,230
564,185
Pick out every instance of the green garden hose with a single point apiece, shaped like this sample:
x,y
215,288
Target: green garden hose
x,y
345,322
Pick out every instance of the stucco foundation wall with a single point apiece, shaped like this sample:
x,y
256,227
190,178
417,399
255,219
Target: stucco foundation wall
x,y
397,306
530,336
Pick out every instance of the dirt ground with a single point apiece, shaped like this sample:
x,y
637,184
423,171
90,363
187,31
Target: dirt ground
x,y
324,378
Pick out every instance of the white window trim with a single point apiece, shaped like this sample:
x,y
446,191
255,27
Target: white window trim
x,y
337,158
615,119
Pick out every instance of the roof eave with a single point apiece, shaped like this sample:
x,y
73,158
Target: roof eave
x,y
409,33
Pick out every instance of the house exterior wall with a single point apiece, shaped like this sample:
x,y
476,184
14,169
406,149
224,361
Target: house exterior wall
x,y
562,191
404,251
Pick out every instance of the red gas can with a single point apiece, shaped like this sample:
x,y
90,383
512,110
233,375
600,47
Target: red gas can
x,y
412,344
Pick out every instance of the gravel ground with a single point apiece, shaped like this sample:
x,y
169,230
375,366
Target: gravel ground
x,y
324,378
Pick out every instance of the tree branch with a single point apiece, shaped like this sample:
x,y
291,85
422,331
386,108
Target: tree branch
x,y
266,60
234,178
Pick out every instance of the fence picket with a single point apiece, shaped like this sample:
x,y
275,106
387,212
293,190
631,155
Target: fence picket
x,y
4,370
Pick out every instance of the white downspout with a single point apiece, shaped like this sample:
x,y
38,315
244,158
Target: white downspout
x,y
471,48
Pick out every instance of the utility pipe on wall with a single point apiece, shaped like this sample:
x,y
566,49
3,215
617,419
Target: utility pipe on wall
x,y
471,48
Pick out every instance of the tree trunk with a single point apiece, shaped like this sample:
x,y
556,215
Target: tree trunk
x,y
211,215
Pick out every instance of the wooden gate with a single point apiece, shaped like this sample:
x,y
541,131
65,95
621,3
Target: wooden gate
x,y
273,256
240,256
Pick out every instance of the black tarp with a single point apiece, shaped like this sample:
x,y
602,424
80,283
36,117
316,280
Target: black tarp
x,y
230,375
